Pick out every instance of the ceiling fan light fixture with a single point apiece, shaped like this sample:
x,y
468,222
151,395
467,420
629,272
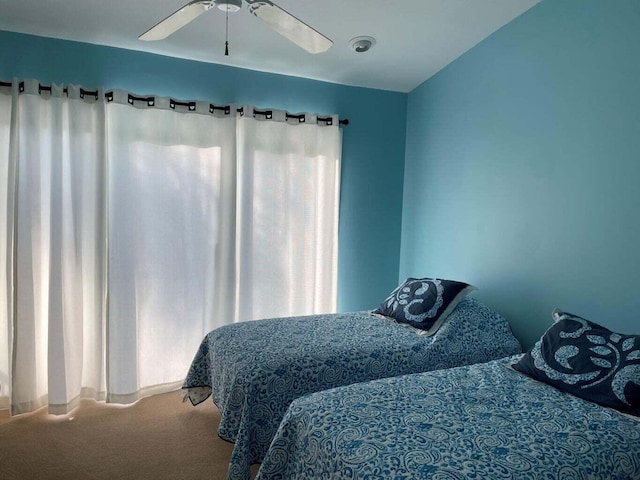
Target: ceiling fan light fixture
x,y
362,44
275,17
231,6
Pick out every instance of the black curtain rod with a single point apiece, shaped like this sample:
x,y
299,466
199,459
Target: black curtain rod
x,y
150,101
301,118
9,84
83,92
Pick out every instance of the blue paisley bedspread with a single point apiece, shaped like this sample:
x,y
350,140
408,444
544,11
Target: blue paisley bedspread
x,y
253,370
474,422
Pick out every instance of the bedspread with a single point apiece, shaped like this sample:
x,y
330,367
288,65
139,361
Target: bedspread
x,y
476,422
253,370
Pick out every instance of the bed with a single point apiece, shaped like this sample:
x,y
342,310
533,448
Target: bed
x,y
483,421
253,370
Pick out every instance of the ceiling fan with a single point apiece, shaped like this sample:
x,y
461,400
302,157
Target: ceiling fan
x,y
280,20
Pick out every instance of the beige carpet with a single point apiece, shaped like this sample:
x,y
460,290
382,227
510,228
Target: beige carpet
x,y
157,438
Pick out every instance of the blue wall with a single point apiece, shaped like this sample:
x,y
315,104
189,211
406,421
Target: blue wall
x,y
522,171
373,143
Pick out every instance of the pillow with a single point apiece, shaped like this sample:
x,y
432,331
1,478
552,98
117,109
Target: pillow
x,y
587,360
424,303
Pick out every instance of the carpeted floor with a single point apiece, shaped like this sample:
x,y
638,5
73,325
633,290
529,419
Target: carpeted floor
x,y
157,438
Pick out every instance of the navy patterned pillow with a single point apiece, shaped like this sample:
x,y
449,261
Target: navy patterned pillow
x,y
424,303
587,360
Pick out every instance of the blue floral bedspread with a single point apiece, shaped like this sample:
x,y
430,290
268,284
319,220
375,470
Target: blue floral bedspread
x,y
253,370
474,422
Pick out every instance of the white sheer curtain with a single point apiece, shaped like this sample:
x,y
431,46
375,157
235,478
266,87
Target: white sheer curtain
x,y
132,228
55,269
167,176
6,244
288,198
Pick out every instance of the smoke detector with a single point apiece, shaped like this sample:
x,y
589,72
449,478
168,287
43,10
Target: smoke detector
x,y
230,6
362,44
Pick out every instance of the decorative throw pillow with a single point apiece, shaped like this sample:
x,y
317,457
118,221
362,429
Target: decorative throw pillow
x,y
424,303
587,360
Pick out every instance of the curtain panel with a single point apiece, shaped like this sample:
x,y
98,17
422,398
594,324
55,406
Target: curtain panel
x,y
133,225
288,181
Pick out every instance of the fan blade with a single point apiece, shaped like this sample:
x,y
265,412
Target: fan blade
x,y
289,26
177,20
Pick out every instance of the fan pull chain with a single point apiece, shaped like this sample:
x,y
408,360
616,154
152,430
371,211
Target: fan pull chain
x,y
226,35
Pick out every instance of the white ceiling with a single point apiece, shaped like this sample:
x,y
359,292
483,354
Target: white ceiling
x,y
415,38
